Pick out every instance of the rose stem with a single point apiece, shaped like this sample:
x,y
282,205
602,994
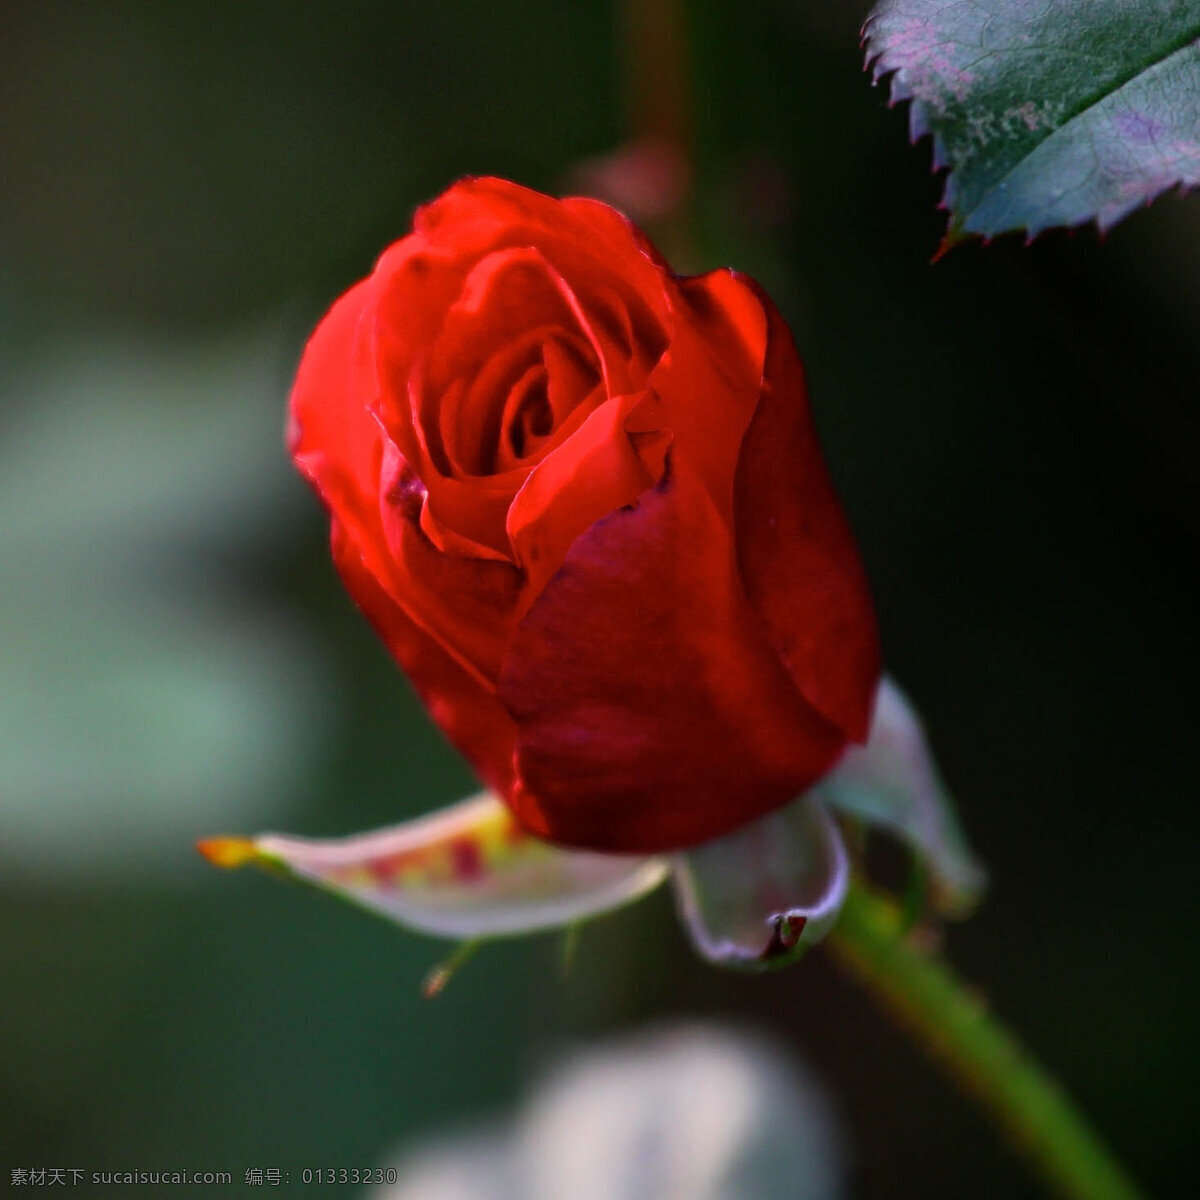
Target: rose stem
x,y
953,1024
657,81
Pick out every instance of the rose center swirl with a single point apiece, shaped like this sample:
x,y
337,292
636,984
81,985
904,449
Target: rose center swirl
x,y
525,400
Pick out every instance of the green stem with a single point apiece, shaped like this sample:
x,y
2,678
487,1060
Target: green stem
x,y
953,1024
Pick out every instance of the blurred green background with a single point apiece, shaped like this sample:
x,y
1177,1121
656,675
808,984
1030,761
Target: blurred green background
x,y
185,188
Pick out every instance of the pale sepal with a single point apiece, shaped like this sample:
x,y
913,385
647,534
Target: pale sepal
x,y
467,871
894,782
761,895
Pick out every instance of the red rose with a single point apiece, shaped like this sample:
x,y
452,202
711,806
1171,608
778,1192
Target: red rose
x,y
582,501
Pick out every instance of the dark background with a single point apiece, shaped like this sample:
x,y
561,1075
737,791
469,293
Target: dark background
x,y
185,188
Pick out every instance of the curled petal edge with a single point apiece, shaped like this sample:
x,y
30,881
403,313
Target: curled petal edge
x,y
893,781
754,899
464,872
759,897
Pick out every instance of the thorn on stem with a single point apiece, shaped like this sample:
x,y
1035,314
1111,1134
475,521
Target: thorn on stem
x,y
435,982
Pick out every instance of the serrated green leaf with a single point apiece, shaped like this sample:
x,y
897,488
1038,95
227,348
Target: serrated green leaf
x,y
466,871
1047,113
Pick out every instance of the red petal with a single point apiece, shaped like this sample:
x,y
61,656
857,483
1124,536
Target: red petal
x,y
651,712
467,604
334,442
511,299
475,207
468,714
597,470
799,563
709,380
333,438
618,277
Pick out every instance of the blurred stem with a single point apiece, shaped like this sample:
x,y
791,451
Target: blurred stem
x,y
659,88
954,1026
658,70
570,947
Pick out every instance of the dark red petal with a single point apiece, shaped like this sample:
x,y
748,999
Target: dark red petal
x,y
468,714
468,604
799,563
651,713
595,471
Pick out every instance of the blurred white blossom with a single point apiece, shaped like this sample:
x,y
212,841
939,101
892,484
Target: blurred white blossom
x,y
692,1112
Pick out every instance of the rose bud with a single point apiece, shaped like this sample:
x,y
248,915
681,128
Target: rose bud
x,y
582,501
